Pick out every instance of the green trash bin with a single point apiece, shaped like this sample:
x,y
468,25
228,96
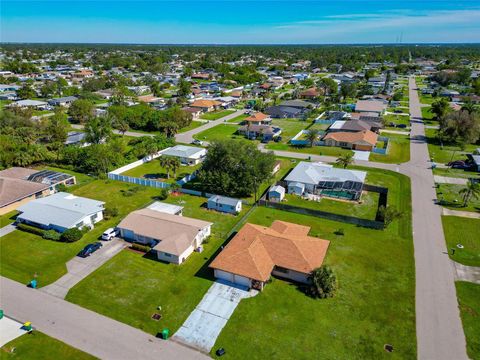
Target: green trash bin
x,y
165,333
1,314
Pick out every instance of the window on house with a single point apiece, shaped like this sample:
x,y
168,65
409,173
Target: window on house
x,y
167,255
93,217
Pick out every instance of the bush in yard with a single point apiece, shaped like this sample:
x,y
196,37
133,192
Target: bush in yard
x,y
62,188
30,229
110,211
324,283
140,247
51,235
71,235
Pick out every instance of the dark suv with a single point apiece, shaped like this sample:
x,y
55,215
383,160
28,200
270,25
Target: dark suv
x,y
89,249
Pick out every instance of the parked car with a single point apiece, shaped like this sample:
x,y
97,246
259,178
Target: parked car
x,y
89,249
277,139
110,233
197,142
402,126
459,164
397,111
265,141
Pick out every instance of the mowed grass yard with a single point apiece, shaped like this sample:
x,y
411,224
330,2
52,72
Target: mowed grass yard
x,y
451,197
8,218
465,231
447,152
40,346
468,295
215,115
23,254
193,125
374,305
398,150
365,209
153,170
130,286
219,132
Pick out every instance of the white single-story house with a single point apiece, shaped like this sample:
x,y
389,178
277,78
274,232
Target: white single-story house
x,y
63,101
188,155
224,204
176,237
276,193
61,211
30,103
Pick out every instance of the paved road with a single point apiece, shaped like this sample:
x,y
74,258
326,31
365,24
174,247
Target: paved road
x,y
85,330
79,268
187,137
439,329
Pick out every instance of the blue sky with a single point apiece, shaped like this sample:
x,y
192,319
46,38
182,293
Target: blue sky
x,y
244,22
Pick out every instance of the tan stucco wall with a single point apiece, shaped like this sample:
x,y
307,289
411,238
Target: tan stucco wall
x,y
15,205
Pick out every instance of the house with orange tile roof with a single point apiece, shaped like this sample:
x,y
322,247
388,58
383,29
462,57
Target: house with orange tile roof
x,y
361,140
311,93
206,105
257,252
258,118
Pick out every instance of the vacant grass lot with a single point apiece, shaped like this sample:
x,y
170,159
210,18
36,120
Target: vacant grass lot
x,y
239,118
129,287
458,173
374,304
426,98
397,119
219,132
460,230
451,197
426,113
468,295
23,254
153,170
290,127
40,346
216,114
447,152
193,125
315,150
367,209
398,151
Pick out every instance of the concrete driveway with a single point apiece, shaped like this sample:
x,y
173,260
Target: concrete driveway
x,y
361,155
205,323
9,330
7,229
79,268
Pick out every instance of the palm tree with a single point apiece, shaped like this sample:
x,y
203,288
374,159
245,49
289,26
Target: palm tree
x,y
121,125
469,107
165,162
472,190
175,165
345,160
312,135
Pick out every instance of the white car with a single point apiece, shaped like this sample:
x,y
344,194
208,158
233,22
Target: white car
x,y
109,234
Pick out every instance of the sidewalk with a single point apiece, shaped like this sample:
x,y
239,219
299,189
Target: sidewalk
x,y
7,229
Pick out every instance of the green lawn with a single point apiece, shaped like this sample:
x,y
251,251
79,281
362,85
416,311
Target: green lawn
x,y
216,115
153,170
290,127
426,113
366,209
398,150
450,197
23,254
239,118
426,98
315,150
375,303
219,132
458,173
447,152
38,346
460,230
193,125
397,119
129,287
468,296
8,218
